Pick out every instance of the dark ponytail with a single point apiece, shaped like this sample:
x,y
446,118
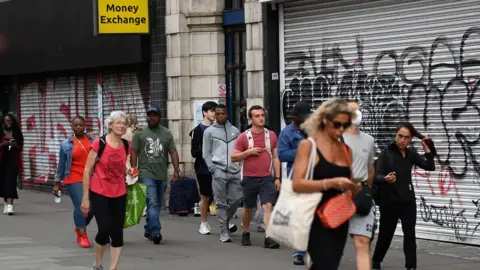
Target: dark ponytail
x,y
417,134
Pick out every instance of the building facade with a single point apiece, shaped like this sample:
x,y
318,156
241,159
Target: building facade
x,y
53,67
403,60
215,51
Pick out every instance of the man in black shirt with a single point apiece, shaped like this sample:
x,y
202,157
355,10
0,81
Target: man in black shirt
x,y
204,177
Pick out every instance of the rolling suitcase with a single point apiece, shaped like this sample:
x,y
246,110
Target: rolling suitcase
x,y
183,196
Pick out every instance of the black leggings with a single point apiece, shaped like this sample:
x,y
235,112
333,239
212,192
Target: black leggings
x,y
110,216
325,246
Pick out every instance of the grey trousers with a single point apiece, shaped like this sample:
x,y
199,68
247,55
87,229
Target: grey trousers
x,y
228,194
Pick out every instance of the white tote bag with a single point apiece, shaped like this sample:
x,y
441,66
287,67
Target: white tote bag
x,y
293,213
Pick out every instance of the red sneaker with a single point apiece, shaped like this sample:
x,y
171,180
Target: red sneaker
x,y
78,235
84,242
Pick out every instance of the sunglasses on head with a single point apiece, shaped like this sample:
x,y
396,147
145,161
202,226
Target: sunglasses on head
x,y
337,124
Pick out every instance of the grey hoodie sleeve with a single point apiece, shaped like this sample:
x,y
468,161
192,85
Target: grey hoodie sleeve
x,y
207,149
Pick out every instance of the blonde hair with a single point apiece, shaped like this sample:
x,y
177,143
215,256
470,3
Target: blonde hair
x,y
113,117
327,111
132,120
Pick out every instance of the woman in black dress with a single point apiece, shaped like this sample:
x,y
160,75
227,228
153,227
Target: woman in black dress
x,y
11,144
331,175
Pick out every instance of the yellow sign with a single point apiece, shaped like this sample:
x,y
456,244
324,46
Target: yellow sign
x,y
123,17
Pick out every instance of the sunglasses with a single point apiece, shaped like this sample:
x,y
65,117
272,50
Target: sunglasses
x,y
338,125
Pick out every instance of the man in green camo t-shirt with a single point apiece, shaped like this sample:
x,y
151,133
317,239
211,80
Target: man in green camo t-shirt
x,y
150,149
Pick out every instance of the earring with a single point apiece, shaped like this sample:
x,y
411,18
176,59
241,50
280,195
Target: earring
x,y
324,121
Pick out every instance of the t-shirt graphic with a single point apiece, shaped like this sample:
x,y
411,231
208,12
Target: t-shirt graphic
x,y
115,170
152,146
153,149
109,175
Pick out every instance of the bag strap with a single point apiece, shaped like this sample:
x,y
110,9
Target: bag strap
x,y
268,144
248,132
101,148
126,146
103,142
311,161
347,155
269,147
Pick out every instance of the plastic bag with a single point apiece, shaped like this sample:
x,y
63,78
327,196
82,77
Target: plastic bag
x,y
136,199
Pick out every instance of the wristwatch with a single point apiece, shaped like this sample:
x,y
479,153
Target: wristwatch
x,y
177,170
276,178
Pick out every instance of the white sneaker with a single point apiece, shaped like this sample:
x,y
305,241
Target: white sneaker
x,y
5,208
225,237
10,210
205,229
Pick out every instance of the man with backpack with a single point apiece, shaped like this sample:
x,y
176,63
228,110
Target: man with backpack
x,y
150,149
204,177
257,148
218,143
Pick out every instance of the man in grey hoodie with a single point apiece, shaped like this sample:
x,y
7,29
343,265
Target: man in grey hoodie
x,y
218,143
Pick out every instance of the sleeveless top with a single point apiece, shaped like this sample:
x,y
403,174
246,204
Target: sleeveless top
x,y
325,170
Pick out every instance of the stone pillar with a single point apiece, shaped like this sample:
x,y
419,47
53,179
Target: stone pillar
x,y
195,65
254,54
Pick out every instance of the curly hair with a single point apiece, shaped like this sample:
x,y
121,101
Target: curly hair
x,y
328,110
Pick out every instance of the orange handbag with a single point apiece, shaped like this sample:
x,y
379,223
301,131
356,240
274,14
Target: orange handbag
x,y
338,209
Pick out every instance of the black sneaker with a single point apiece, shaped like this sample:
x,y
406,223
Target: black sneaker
x,y
270,243
232,228
148,236
157,238
246,239
376,266
298,260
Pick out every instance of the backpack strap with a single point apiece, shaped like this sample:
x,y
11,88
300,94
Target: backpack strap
x,y
269,147
125,144
103,143
268,144
248,132
101,148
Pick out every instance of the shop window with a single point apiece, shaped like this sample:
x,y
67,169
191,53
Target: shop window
x,y
235,47
234,4
236,75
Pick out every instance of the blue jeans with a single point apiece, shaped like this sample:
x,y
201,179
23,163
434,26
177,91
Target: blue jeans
x,y
155,196
75,191
301,253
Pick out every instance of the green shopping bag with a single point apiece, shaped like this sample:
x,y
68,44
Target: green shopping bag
x,y
136,199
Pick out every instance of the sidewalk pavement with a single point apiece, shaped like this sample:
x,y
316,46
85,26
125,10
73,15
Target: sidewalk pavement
x,y
40,236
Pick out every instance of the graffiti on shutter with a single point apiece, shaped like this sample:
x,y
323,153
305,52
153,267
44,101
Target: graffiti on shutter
x,y
46,108
428,73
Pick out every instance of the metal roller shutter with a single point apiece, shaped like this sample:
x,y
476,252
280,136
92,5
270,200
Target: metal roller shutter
x,y
46,108
122,91
413,60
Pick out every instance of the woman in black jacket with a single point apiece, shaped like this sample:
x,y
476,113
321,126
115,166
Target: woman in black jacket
x,y
397,195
